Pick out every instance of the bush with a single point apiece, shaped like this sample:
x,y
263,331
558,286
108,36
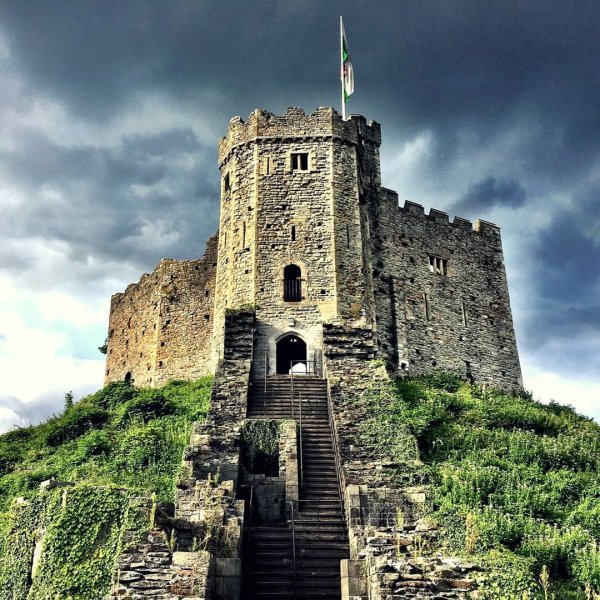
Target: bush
x,y
145,406
113,395
139,447
75,422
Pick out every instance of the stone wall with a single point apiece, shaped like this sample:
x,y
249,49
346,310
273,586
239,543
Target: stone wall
x,y
273,215
161,327
388,530
195,553
433,292
453,314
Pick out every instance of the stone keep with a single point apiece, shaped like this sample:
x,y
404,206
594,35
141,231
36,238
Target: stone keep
x,y
308,236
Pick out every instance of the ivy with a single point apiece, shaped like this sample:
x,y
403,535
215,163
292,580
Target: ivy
x,y
80,530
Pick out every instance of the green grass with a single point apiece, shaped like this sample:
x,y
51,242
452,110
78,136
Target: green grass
x,y
120,435
514,483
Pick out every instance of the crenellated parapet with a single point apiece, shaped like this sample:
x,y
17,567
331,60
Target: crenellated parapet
x,y
325,122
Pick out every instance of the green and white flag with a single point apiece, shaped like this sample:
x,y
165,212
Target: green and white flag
x,y
347,73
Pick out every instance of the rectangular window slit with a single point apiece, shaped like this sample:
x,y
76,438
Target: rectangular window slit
x,y
293,233
299,161
464,314
427,306
226,182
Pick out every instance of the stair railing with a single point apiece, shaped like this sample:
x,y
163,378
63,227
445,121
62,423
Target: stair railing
x,y
292,525
247,528
336,449
293,406
266,373
301,436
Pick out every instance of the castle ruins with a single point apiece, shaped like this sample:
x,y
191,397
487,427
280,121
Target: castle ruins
x,y
307,237
317,291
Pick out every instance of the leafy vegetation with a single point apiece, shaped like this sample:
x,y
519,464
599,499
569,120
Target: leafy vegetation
x,y
259,441
515,483
122,442
120,435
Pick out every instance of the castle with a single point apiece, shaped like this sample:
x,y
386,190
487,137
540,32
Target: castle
x,y
309,238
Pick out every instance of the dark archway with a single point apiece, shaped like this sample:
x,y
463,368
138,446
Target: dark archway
x,y
289,349
127,377
292,284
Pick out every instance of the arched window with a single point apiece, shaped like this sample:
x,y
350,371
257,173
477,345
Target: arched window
x,y
128,377
292,283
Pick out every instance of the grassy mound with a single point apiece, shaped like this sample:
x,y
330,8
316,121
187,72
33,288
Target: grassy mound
x,y
120,435
515,483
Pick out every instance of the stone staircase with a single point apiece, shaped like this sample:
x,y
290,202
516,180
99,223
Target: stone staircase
x,y
318,537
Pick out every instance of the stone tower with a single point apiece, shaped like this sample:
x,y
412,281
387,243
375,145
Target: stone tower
x,y
308,237
291,235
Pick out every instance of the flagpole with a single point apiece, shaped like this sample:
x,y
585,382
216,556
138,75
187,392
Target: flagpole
x,y
342,67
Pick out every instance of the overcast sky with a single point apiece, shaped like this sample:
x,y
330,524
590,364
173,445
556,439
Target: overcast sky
x,y
110,113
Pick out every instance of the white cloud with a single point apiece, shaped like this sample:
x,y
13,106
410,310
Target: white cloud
x,y
546,385
38,357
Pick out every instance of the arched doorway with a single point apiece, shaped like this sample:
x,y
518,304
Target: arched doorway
x,y
290,348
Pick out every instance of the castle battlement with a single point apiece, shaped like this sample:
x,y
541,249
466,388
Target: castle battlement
x,y
325,122
308,236
413,209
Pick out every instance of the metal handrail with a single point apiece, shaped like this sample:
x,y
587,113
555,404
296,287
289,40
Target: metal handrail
x,y
266,373
301,451
247,527
336,450
293,528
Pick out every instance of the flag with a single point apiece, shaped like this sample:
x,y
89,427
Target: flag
x,y
347,71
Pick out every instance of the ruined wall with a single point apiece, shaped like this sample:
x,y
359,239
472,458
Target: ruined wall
x,y
161,327
454,314
389,535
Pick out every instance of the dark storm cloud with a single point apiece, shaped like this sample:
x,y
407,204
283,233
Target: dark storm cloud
x,y
99,200
506,87
491,192
566,260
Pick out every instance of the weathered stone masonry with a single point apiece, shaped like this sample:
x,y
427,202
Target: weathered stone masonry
x,y
161,328
305,190
374,280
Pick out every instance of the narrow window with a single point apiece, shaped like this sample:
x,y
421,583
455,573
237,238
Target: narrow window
x,y
268,166
299,161
438,265
293,233
292,284
469,372
244,234
226,182
427,306
464,314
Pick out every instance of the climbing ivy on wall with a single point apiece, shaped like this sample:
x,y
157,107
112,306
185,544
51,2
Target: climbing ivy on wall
x,y
260,446
26,519
81,530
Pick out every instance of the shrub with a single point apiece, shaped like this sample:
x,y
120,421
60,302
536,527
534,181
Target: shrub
x,y
145,406
139,447
74,423
113,395
586,567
